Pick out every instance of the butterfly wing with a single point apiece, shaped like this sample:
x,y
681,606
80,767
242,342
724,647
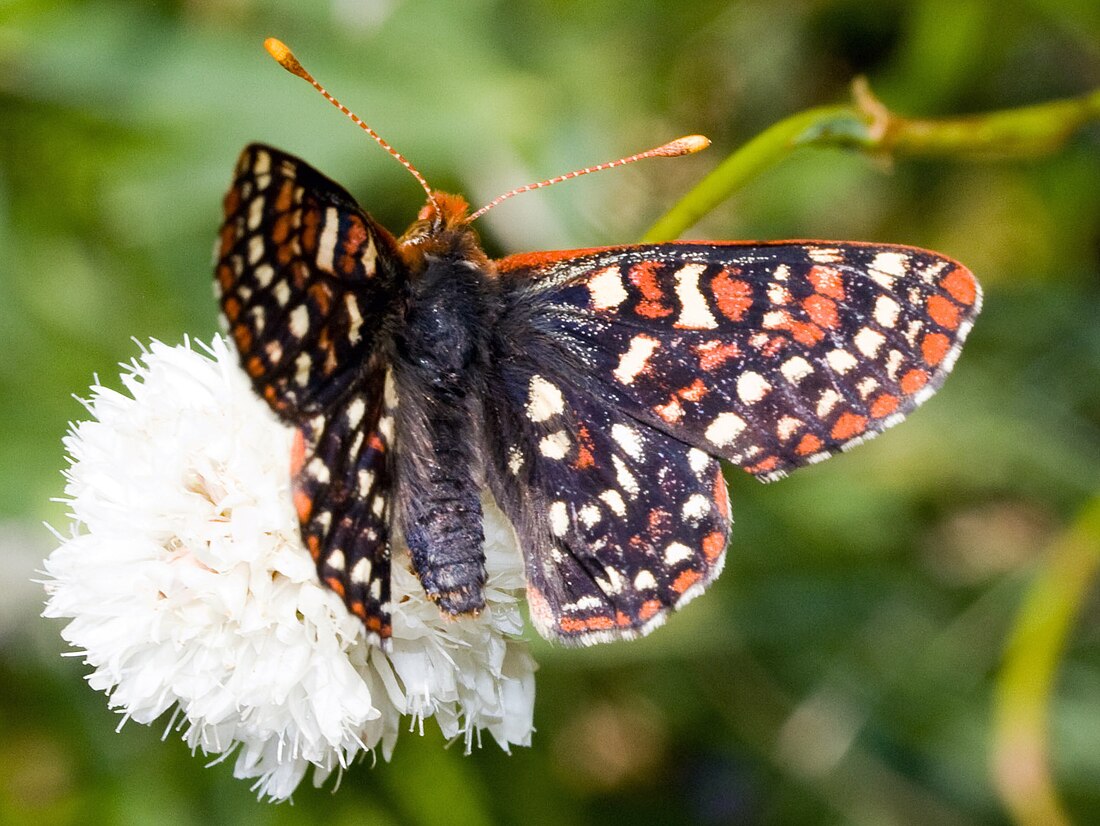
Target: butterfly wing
x,y
628,369
619,521
304,278
769,355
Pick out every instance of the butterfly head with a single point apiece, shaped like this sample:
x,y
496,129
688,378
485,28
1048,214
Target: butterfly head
x,y
442,230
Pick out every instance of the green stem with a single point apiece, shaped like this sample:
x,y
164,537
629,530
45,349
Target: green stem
x,y
1020,748
866,124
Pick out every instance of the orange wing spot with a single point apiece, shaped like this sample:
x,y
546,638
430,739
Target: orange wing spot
x,y
803,331
827,281
821,310
585,458
355,236
733,296
285,196
571,625
644,277
764,466
375,624
913,381
254,367
884,405
321,295
694,391
284,254
232,201
961,284
281,230
336,585
934,347
943,312
375,443
600,623
713,545
713,354
721,495
621,619
809,444
303,504
685,580
225,276
848,426
671,412
272,396
297,453
359,609
228,237
314,546
232,308
650,608
242,334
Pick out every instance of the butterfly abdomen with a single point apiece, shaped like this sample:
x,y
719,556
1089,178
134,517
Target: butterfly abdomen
x,y
439,366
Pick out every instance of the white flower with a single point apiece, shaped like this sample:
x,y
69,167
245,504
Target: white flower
x,y
187,587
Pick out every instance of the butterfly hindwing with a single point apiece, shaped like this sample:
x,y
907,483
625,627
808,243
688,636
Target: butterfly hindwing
x,y
342,491
620,523
304,277
770,355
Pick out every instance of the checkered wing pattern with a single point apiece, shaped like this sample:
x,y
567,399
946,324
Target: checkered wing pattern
x,y
304,277
619,521
630,369
341,476
769,355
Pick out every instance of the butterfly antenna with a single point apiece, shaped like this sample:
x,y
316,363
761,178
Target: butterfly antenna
x,y
285,58
686,145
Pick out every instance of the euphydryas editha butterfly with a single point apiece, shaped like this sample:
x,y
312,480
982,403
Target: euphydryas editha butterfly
x,y
591,392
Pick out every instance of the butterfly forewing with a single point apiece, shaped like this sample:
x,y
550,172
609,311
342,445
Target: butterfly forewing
x,y
770,355
304,277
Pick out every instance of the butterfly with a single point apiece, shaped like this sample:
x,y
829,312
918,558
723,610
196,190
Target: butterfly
x,y
592,393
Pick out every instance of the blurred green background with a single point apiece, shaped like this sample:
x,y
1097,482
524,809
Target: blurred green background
x,y
844,668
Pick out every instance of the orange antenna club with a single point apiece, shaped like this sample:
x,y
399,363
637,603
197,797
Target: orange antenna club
x,y
687,145
285,58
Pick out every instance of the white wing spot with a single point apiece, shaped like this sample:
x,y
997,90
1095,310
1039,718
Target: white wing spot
x,y
624,477
698,460
867,386
752,387
326,247
559,519
355,412
614,500
893,364
298,323
606,289
725,428
827,402
795,369
354,316
677,552
695,508
255,249
515,460
645,581
589,515
366,482
318,470
555,446
264,273
825,255
261,164
635,359
360,573
869,341
787,427
255,212
629,440
694,312
302,366
544,400
841,361
886,311
891,263
336,560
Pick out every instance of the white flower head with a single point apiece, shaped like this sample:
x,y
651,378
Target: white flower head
x,y
188,588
